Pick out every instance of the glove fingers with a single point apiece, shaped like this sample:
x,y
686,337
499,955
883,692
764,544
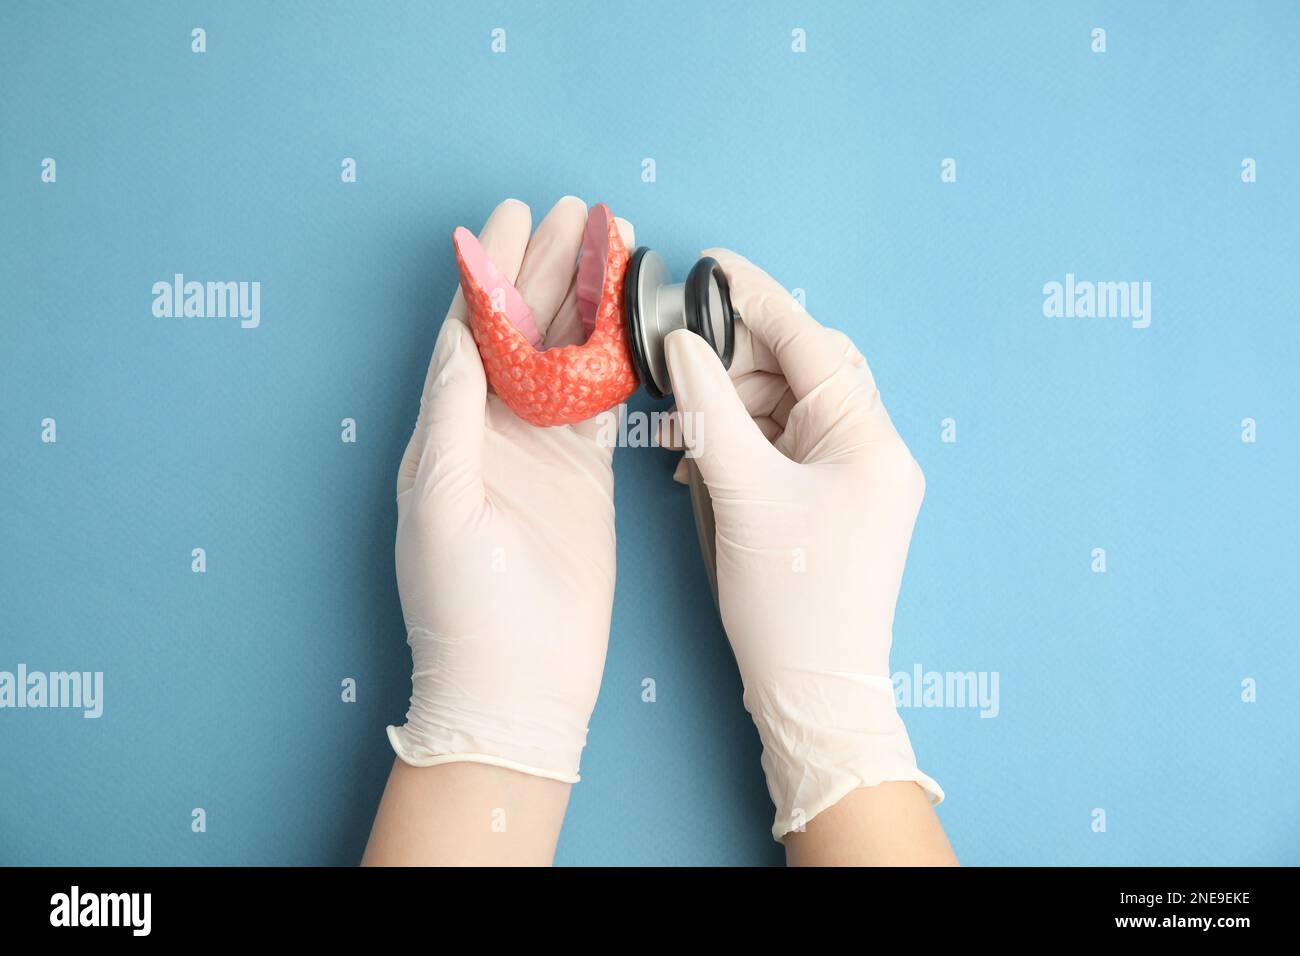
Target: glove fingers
x,y
566,329
448,336
728,447
546,272
503,238
808,353
766,396
841,419
834,408
452,455
750,354
770,429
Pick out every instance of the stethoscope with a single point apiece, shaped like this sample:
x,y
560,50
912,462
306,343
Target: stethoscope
x,y
653,307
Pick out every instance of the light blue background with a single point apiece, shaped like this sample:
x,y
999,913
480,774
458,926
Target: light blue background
x,y
1119,691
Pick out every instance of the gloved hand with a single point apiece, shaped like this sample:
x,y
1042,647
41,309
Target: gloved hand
x,y
505,538
814,496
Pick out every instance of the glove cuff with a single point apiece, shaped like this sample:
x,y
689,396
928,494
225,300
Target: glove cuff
x,y
499,715
421,749
825,735
411,749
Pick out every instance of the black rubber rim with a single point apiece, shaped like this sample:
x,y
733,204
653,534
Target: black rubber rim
x,y
632,321
696,305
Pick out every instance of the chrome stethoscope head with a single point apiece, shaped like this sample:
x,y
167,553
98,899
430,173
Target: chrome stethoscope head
x,y
653,307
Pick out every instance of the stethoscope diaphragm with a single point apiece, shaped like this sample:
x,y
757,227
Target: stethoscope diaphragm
x,y
654,306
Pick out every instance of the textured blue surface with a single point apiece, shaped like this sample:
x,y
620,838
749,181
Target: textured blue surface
x,y
1119,691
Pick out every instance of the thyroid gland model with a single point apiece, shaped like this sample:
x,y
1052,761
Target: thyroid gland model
x,y
557,386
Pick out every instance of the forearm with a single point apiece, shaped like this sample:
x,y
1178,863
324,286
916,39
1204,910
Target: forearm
x,y
892,824
466,814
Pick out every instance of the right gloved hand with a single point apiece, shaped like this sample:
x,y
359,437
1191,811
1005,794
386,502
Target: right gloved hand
x,y
814,497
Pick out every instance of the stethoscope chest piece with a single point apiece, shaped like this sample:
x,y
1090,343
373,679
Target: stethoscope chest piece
x,y
654,306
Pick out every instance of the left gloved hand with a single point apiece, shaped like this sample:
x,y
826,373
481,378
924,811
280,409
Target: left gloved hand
x,y
505,538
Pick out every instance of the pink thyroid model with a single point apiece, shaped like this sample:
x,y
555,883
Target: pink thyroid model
x,y
557,386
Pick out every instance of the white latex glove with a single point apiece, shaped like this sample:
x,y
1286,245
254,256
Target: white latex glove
x,y
814,495
505,538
